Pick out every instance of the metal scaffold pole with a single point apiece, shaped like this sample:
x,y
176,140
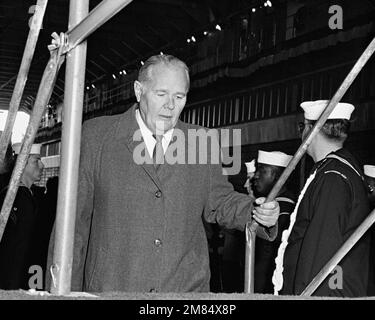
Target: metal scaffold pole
x,y
81,25
70,151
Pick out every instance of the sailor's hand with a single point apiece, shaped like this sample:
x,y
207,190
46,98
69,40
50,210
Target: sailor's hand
x,y
266,213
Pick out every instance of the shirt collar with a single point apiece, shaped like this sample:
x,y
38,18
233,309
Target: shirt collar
x,y
147,135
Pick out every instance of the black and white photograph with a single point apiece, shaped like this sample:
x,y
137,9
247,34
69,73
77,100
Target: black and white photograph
x,y
190,156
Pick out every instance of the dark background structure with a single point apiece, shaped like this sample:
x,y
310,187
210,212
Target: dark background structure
x,y
143,28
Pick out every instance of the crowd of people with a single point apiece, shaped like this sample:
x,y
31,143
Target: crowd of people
x,y
148,220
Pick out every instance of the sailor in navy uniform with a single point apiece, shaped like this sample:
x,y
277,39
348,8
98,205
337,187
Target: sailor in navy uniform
x,y
331,206
270,165
16,246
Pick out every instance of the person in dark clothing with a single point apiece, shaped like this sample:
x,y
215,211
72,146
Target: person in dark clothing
x,y
270,165
16,245
369,171
6,168
44,224
332,204
50,203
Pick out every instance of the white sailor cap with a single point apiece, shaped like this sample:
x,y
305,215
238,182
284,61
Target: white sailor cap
x,y
35,148
369,170
274,158
313,110
250,166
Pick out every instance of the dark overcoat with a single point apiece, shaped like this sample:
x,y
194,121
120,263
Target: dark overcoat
x,y
138,229
17,246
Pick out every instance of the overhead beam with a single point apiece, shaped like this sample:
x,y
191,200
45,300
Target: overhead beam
x,y
118,54
175,26
157,33
91,72
104,11
130,48
144,41
175,3
192,14
107,60
98,66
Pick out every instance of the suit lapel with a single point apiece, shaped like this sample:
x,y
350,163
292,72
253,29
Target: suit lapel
x,y
128,126
167,170
126,129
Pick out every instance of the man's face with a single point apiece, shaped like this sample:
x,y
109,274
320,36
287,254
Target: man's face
x,y
34,167
249,182
162,98
263,180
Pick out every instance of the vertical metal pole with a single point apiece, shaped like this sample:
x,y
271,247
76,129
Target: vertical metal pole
x,y
70,144
250,233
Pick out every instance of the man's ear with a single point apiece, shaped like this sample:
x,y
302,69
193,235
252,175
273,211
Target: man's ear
x,y
137,90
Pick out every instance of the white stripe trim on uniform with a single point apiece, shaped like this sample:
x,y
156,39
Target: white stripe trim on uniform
x,y
339,173
333,156
284,213
277,278
285,199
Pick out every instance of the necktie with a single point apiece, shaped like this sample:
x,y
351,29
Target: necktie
x,y
158,155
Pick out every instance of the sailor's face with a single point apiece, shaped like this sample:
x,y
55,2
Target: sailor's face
x,y
263,180
34,167
248,183
163,97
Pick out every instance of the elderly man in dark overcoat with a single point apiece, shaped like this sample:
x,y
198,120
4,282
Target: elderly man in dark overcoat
x,y
142,195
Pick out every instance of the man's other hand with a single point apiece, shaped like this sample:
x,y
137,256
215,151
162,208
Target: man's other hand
x,y
267,213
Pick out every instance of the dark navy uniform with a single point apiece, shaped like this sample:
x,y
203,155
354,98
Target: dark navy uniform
x,y
266,251
334,205
16,243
